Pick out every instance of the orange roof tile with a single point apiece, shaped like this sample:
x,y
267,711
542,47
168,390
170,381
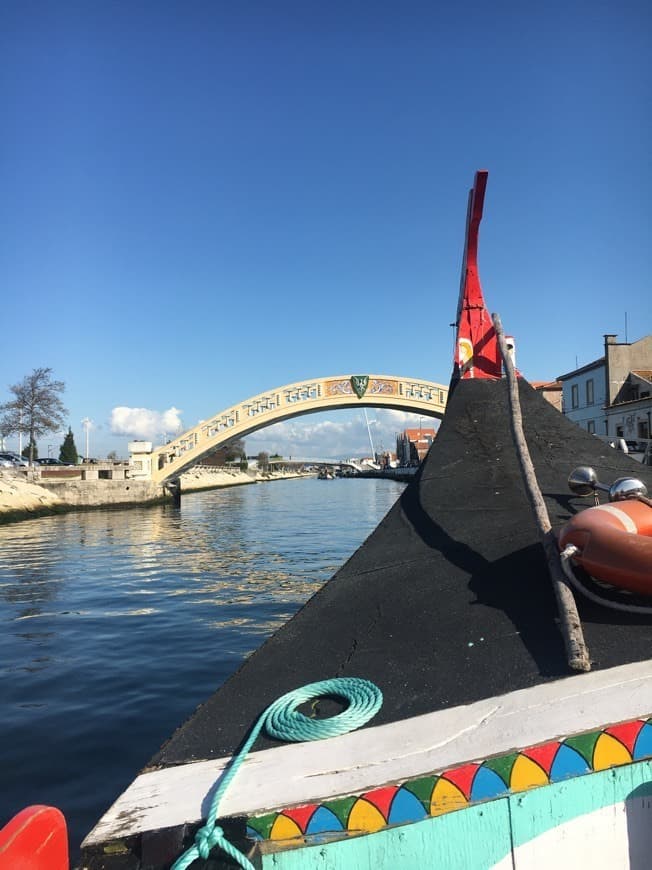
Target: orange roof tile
x,y
547,385
418,434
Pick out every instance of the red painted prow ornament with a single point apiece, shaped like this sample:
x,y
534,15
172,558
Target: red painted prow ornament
x,y
476,349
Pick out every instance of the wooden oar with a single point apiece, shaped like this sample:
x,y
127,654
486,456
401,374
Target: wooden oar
x,y
571,626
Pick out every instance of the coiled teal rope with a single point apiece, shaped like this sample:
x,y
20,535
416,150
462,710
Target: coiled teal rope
x,y
283,721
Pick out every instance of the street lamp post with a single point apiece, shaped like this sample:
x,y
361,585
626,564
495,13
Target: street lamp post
x,y
87,423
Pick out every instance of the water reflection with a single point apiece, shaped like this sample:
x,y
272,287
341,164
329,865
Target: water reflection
x,y
116,624
27,587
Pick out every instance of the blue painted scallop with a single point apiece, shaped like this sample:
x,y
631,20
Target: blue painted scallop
x,y
405,808
643,745
487,784
568,762
323,821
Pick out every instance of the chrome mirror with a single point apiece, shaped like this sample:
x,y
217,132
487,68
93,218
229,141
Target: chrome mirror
x,y
583,481
626,487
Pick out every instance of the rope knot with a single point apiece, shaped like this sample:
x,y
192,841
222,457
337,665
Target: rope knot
x,y
206,838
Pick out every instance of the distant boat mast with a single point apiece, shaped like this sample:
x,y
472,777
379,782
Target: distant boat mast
x,y
373,452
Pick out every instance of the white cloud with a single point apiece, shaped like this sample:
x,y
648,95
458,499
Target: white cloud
x,y
143,423
343,434
326,435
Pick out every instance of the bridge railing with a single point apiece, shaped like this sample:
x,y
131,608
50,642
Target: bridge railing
x,y
411,394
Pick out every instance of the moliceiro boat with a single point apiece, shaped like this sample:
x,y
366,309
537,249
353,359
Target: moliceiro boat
x,y
501,722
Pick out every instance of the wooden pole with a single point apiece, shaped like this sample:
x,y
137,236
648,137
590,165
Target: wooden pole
x,y
571,626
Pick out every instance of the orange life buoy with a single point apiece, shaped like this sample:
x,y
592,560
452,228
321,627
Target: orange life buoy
x,y
614,542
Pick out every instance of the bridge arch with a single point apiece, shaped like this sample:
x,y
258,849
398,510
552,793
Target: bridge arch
x,y
413,395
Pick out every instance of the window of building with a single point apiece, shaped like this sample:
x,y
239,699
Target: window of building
x,y
575,398
619,431
590,427
589,391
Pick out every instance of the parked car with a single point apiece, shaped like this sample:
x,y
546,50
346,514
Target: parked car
x,y
50,460
14,458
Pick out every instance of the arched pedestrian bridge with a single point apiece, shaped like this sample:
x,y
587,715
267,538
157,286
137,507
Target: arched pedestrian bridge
x,y
306,397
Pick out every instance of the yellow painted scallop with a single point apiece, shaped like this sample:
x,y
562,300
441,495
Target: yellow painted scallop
x,y
284,829
609,752
445,798
364,816
527,774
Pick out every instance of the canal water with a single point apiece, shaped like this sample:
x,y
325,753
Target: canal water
x,y
115,625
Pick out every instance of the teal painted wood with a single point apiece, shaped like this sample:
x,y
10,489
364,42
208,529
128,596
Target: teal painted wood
x,y
480,836
467,839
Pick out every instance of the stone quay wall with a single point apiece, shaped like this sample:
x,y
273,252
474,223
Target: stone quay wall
x,y
25,494
104,493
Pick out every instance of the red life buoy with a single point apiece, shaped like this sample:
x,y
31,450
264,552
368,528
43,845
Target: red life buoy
x,y
614,543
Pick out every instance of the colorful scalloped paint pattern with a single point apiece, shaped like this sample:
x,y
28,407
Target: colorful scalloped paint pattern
x,y
458,787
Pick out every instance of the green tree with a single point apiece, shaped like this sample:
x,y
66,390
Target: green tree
x,y
31,451
68,451
36,408
235,450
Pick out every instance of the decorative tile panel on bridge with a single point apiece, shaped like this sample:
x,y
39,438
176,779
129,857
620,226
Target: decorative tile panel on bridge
x,y
305,397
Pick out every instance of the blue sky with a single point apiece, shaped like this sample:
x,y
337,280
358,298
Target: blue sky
x,y
205,200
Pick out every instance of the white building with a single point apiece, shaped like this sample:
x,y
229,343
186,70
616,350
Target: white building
x,y
613,395
140,460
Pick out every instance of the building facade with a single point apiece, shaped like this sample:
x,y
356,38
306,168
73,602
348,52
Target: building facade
x,y
550,390
413,444
612,396
584,395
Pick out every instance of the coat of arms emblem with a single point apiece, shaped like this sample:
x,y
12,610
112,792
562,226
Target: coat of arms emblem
x,y
359,384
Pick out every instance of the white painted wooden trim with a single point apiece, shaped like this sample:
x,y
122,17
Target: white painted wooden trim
x,y
308,772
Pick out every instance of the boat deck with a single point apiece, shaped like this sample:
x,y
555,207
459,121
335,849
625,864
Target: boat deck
x,y
448,602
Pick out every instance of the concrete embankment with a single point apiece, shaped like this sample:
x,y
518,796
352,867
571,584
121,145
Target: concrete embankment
x,y
202,477
24,495
20,498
